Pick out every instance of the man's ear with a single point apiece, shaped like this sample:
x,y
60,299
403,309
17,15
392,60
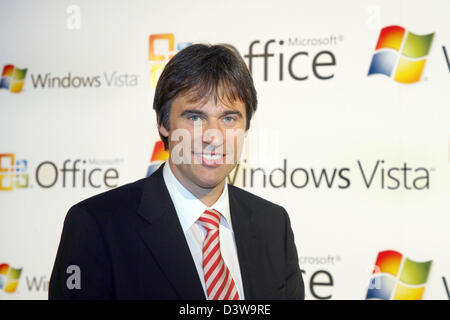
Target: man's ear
x,y
163,131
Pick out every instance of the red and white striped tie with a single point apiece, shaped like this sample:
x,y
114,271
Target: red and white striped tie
x,y
218,280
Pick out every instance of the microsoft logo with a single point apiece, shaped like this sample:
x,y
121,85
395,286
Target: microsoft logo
x,y
12,78
13,173
401,54
161,50
159,155
396,277
9,278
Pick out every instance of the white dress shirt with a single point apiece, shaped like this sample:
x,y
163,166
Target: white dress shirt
x,y
189,209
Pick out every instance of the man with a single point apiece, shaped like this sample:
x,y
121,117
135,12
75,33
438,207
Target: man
x,y
183,232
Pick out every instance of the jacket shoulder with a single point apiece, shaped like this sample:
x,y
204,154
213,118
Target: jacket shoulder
x,y
120,199
255,202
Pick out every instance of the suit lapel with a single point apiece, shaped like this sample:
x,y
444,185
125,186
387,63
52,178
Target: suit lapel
x,y
246,242
164,237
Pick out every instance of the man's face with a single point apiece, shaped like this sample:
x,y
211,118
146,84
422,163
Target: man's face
x,y
205,140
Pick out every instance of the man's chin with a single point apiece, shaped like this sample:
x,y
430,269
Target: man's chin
x,y
204,176
208,180
208,183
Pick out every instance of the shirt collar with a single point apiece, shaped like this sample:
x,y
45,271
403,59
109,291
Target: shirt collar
x,y
188,207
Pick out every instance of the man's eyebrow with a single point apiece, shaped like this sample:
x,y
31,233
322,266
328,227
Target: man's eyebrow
x,y
202,113
230,112
192,111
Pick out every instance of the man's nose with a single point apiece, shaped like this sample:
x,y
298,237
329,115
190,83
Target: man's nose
x,y
212,133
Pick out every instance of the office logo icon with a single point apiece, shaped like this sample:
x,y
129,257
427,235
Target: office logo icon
x,y
161,50
400,54
159,155
9,278
13,173
12,78
396,277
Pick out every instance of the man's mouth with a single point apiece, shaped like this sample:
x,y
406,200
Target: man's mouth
x,y
213,156
211,159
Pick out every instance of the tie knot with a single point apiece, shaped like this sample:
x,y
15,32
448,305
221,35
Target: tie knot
x,y
210,219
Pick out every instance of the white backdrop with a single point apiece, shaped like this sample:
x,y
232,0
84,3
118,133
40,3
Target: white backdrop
x,y
87,95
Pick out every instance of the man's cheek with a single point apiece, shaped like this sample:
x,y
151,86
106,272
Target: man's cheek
x,y
234,144
181,149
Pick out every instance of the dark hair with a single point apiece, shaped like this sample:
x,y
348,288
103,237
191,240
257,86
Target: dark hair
x,y
204,72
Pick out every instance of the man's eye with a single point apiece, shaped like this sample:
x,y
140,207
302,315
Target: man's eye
x,y
228,119
194,118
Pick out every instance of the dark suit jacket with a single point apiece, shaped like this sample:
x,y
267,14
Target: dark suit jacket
x,y
128,244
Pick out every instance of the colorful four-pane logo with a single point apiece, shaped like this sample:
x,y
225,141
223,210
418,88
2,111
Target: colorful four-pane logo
x,y
9,278
396,277
13,172
161,50
12,78
400,54
159,155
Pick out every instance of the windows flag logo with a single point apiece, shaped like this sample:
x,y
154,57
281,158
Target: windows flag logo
x,y
9,278
396,277
401,54
12,78
159,155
